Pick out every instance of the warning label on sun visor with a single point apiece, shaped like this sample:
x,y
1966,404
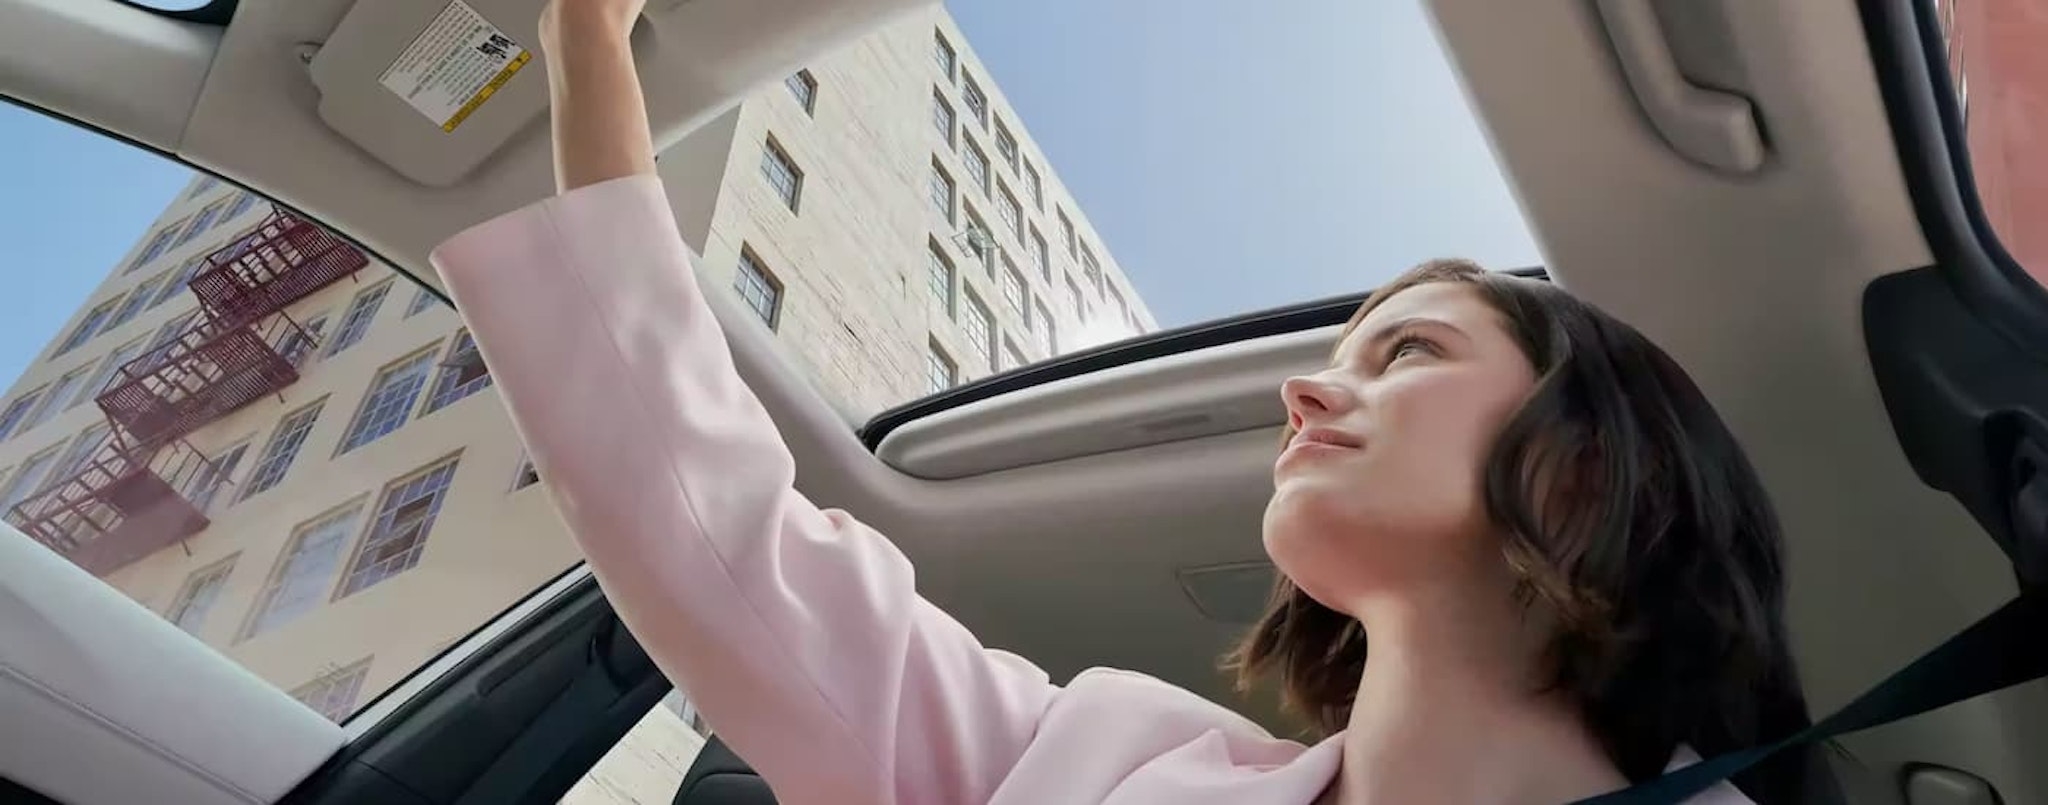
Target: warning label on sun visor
x,y
456,64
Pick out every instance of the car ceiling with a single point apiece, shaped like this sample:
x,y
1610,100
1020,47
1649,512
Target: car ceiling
x,y
1076,556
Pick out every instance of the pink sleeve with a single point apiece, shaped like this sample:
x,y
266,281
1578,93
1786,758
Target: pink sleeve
x,y
798,632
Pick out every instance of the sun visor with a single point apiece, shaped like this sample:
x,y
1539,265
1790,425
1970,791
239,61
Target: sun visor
x,y
433,89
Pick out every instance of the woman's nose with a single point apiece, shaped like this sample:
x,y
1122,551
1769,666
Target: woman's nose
x,y
1312,399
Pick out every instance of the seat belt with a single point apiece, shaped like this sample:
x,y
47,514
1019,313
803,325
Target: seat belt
x,y
2002,649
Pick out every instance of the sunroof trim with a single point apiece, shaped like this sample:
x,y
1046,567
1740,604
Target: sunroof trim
x,y
1257,324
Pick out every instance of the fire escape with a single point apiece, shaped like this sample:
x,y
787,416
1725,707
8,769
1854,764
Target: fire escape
x,y
145,488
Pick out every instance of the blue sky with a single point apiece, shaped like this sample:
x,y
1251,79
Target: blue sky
x,y
72,205
1232,155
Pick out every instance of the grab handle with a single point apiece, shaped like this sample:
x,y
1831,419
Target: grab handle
x,y
1712,127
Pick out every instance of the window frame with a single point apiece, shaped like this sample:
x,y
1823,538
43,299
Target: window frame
x,y
1007,148
353,675
774,159
89,326
949,126
20,410
952,187
181,602
348,516
946,56
936,358
444,467
287,427
342,340
422,357
972,156
936,260
447,388
750,264
807,99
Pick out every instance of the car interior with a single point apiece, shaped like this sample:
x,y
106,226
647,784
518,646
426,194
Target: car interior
x,y
1777,193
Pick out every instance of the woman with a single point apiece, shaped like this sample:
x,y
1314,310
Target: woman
x,y
1568,571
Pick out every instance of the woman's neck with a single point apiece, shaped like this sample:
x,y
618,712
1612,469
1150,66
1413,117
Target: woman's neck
x,y
1448,711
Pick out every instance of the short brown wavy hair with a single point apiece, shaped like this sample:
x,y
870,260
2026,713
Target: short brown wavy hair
x,y
1663,569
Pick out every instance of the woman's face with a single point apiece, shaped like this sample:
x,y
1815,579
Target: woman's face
x,y
1382,485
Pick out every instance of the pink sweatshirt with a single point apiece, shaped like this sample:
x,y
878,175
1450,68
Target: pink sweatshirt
x,y
798,632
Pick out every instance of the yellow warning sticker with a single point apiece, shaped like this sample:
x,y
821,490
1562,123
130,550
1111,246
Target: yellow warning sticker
x,y
453,66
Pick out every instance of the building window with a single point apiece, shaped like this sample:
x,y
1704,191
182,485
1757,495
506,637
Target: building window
x,y
980,329
945,55
1039,258
461,375
81,451
981,240
197,597
391,397
1006,146
133,305
804,87
1075,301
399,533
219,472
1013,358
1090,269
18,412
334,694
782,174
200,223
157,285
1123,308
1067,234
299,346
304,570
977,167
939,279
88,326
205,183
103,376
758,288
421,300
943,117
283,447
526,476
356,322
184,277
940,371
1012,213
941,191
64,389
1035,186
977,103
157,244
242,204
1013,291
33,473
1046,326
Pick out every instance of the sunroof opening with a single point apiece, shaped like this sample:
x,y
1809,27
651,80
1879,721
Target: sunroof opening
x,y
1148,174
216,12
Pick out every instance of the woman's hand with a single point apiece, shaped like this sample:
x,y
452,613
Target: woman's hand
x,y
598,114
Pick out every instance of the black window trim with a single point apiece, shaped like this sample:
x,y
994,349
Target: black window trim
x,y
1927,132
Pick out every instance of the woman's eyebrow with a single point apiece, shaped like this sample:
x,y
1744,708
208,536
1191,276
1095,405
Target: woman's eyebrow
x,y
1386,333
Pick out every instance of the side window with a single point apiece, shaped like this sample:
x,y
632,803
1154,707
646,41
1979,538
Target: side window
x,y
649,763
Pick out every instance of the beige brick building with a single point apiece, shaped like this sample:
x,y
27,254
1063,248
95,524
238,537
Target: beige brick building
x,y
292,452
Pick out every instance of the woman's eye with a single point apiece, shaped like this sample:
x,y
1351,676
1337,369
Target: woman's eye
x,y
1410,345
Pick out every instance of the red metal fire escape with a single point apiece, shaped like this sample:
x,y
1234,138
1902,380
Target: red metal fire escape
x,y
133,495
